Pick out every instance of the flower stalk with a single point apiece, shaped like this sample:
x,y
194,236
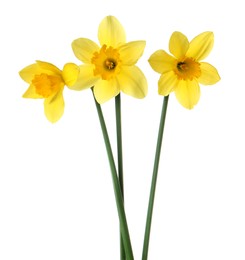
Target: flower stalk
x,y
154,179
120,160
116,186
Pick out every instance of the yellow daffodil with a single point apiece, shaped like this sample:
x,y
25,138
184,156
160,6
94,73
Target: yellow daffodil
x,y
111,67
47,82
183,72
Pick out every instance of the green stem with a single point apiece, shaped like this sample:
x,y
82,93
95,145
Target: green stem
x,y
119,141
116,186
120,159
154,180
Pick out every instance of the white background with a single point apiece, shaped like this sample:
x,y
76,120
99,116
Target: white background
x,y
56,195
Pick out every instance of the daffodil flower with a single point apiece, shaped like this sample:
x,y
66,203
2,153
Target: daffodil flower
x,y
110,68
183,72
47,82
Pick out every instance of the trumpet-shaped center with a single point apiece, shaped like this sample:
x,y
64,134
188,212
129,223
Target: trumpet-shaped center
x,y
107,62
47,85
187,69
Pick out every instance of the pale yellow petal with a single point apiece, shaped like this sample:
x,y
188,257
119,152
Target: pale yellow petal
x,y
111,32
104,90
167,83
28,73
131,52
31,93
188,93
84,49
161,61
209,74
132,81
201,46
86,78
178,45
54,107
70,73
48,67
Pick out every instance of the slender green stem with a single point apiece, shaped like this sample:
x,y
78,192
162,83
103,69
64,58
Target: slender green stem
x,y
116,186
119,142
120,159
154,180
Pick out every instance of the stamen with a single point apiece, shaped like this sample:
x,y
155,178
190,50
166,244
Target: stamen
x,y
110,64
182,66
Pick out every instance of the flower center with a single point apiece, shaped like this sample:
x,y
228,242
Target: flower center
x,y
107,62
110,64
187,69
47,85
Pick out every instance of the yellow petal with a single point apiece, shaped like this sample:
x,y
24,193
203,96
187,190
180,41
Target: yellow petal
x,y
111,32
209,74
84,49
188,93
132,81
131,52
167,83
49,67
28,73
178,45
54,107
70,73
86,78
31,93
201,46
161,61
104,90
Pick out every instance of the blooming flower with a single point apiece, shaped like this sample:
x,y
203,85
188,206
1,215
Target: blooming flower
x,y
111,67
47,82
183,72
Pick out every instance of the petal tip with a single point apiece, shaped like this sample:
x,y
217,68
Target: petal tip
x,y
111,32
